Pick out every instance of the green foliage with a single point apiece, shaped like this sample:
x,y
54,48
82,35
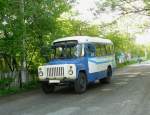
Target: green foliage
x,y
121,65
5,82
122,42
138,50
9,91
34,24
147,48
111,3
147,6
75,28
83,28
125,43
13,90
31,85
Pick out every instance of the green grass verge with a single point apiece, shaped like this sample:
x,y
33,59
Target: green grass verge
x,y
125,64
25,87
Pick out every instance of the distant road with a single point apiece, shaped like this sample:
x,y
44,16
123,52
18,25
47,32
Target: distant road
x,y
128,94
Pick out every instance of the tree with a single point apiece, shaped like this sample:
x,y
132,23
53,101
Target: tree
x,y
122,42
39,21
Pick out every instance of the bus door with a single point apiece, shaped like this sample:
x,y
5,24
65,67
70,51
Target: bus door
x,y
90,51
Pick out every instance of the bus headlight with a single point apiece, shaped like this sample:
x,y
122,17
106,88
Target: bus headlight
x,y
40,73
70,72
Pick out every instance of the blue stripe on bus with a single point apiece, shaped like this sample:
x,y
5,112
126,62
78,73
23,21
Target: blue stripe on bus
x,y
100,62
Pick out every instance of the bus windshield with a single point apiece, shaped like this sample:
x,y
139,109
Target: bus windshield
x,y
65,50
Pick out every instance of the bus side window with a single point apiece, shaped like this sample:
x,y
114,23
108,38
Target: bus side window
x,y
111,49
103,50
108,49
98,50
90,50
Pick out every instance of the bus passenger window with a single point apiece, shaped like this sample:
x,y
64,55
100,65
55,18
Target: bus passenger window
x,y
111,49
108,49
90,50
103,50
98,50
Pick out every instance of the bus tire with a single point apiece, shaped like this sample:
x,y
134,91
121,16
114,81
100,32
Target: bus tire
x,y
80,84
48,88
107,79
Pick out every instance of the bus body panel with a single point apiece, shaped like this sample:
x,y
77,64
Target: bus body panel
x,y
98,67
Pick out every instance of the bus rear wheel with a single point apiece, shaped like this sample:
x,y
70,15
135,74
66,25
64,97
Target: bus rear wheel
x,y
107,79
80,84
47,88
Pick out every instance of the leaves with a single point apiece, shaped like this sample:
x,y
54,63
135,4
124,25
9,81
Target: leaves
x,y
39,22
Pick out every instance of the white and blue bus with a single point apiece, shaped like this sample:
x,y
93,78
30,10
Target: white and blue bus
x,y
78,61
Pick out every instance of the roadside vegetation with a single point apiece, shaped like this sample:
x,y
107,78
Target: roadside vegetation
x,y
28,26
32,85
121,65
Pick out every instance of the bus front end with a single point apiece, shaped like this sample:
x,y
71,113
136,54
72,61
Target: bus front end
x,y
57,73
63,68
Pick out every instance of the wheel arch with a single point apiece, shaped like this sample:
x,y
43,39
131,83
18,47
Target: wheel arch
x,y
109,67
83,71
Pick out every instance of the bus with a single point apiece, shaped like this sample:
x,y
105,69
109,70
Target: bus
x,y
77,61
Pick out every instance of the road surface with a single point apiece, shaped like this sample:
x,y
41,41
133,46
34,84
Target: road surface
x,y
128,94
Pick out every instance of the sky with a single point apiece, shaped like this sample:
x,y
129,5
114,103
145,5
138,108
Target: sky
x,y
83,7
143,38
85,14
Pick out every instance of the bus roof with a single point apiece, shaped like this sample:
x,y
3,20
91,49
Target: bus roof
x,y
85,39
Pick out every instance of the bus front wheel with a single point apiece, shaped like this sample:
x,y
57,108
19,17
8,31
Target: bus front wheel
x,y
80,84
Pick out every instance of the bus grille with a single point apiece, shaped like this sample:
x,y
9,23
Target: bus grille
x,y
55,71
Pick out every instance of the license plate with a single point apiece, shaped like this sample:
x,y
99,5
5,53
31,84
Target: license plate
x,y
54,81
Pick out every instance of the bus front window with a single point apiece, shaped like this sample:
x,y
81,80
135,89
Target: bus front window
x,y
64,51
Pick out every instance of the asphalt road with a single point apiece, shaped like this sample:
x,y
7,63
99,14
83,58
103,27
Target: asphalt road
x,y
128,94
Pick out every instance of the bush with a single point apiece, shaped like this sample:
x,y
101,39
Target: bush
x,y
119,65
5,82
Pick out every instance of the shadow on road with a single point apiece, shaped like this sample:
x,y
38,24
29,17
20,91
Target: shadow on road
x,y
70,90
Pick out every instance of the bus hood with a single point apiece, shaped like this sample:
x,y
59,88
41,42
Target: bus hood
x,y
65,61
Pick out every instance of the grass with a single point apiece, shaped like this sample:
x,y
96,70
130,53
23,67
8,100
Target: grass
x,y
125,64
25,87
